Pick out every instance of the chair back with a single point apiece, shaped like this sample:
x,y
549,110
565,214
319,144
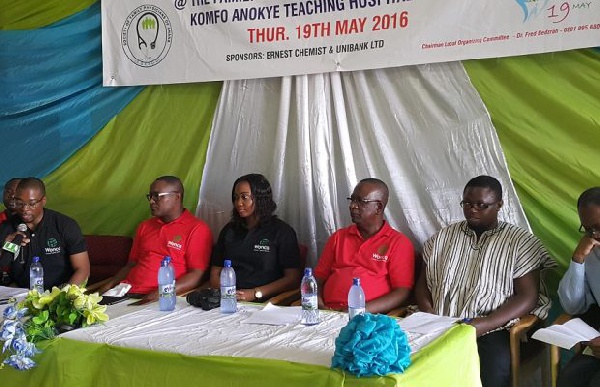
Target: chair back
x,y
417,272
108,254
303,253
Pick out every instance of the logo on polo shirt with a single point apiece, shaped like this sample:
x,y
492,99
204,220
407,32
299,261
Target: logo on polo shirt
x,y
52,247
173,244
380,255
263,246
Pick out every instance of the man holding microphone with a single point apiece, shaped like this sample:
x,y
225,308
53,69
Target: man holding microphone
x,y
53,237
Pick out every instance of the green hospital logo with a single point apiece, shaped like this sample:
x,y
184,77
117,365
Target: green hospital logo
x,y
52,247
263,246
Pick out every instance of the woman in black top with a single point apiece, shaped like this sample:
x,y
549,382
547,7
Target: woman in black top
x,y
262,248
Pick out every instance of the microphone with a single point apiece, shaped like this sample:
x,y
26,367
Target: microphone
x,y
15,246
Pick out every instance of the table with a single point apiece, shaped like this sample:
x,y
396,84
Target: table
x,y
136,349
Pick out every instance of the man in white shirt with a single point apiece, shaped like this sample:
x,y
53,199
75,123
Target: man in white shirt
x,y
580,288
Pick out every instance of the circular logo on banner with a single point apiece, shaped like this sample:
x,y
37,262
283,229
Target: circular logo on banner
x,y
146,35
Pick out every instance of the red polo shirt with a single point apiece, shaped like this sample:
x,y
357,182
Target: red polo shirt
x,y
187,240
3,216
383,262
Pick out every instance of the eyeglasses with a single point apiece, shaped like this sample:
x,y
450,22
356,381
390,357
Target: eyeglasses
x,y
244,197
30,205
477,206
156,196
361,202
591,232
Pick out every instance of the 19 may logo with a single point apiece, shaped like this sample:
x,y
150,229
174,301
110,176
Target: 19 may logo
x,y
146,35
532,8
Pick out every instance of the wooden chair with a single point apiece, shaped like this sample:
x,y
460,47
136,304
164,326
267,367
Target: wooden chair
x,y
403,310
108,254
555,351
531,348
591,317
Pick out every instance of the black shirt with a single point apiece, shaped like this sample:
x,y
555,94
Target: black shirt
x,y
55,239
259,255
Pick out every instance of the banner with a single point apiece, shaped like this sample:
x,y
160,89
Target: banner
x,y
175,41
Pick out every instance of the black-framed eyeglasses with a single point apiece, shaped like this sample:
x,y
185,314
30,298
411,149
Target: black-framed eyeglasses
x,y
361,202
591,232
477,205
156,196
31,205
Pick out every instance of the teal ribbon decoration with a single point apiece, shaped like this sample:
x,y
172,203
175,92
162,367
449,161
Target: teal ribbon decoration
x,y
371,345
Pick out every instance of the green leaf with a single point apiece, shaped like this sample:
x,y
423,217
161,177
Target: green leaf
x,y
33,331
41,318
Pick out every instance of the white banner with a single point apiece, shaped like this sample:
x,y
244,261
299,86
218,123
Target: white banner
x,y
176,41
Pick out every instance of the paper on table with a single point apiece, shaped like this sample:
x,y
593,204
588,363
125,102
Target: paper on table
x,y
566,335
426,323
275,315
7,292
118,291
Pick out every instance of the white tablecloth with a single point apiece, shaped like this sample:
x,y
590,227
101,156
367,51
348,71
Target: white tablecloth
x,y
192,331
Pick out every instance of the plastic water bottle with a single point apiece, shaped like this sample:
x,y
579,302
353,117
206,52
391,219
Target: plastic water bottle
x,y
310,303
228,297
356,299
36,275
166,286
172,273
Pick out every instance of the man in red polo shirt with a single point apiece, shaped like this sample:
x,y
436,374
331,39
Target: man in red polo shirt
x,y
173,231
370,249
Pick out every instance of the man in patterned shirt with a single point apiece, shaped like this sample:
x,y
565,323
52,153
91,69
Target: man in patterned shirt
x,y
486,272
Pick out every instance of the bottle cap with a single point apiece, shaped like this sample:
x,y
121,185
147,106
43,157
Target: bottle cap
x,y
356,281
168,259
308,272
36,259
227,263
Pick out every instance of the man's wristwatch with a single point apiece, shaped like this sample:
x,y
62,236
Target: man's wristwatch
x,y
257,293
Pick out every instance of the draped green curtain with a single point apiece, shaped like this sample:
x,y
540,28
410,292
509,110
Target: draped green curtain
x,y
546,110
22,15
164,131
